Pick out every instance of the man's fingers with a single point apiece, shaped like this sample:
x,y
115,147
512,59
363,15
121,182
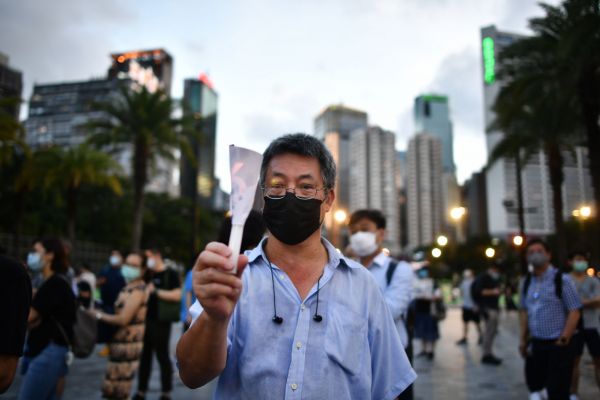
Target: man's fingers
x,y
242,263
212,275
211,290
211,259
219,248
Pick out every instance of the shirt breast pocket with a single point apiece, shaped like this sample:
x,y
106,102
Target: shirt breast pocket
x,y
346,339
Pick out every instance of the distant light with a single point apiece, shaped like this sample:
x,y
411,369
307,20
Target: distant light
x,y
576,213
442,240
490,252
590,271
385,251
585,211
340,216
228,214
518,240
457,213
436,253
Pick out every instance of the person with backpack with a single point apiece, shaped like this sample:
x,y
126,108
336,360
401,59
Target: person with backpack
x,y
486,292
393,277
51,319
550,311
587,333
125,347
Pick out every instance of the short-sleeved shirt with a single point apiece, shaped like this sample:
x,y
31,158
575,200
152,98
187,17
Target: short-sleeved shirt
x,y
546,312
55,302
589,288
354,352
15,297
486,281
110,290
465,290
167,279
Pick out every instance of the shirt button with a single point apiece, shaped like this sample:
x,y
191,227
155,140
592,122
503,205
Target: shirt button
x,y
294,386
302,307
298,345
282,276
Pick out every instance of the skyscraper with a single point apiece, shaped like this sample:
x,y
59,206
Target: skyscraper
x,y
150,68
197,179
373,174
11,85
501,178
424,189
340,120
432,115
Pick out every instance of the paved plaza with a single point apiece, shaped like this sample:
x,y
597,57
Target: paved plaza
x,y
454,374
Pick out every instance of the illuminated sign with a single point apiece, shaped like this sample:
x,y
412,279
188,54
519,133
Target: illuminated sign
x,y
489,61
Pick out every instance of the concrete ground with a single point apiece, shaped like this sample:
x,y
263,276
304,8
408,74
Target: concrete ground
x,y
454,374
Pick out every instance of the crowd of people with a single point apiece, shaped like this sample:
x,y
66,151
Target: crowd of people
x,y
297,315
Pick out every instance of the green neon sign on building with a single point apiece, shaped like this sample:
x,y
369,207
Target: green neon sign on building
x,y
489,61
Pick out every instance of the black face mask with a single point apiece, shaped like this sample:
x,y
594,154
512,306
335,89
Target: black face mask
x,y
290,219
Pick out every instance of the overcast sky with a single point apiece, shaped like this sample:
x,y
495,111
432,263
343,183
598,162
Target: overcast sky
x,y
277,63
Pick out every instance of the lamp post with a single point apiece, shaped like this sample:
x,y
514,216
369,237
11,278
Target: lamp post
x,y
339,220
583,213
442,240
490,252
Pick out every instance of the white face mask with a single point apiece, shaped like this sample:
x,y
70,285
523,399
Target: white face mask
x,y
364,243
151,263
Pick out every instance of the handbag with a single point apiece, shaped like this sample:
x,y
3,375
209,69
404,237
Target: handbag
x,y
168,311
438,311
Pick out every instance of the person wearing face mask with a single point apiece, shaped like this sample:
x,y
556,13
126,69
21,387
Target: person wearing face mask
x,y
548,318
164,291
129,317
34,264
588,288
51,319
393,277
297,320
110,281
425,293
486,293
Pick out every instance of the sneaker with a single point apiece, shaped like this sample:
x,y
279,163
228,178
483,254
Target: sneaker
x,y
544,394
462,341
573,397
490,359
535,396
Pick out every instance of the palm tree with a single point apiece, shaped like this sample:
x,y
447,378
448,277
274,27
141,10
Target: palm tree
x,y
534,114
574,26
72,168
142,121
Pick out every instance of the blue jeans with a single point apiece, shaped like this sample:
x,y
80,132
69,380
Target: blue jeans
x,y
42,373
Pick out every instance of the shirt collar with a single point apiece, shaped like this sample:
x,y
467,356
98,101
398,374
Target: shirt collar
x,y
335,258
380,260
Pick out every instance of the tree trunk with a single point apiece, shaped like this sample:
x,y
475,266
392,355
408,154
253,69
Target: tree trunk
x,y
19,207
71,215
140,176
589,97
555,168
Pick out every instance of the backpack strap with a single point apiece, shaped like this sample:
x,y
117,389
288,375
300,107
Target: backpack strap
x,y
390,271
558,283
526,285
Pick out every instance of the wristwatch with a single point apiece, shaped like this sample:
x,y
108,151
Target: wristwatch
x,y
563,340
98,315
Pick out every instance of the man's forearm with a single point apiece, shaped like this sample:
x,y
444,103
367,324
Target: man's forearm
x,y
571,325
523,324
202,351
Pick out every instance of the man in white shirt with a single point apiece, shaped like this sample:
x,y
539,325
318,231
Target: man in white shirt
x,y
395,278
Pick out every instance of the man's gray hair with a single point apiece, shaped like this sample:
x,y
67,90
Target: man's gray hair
x,y
302,145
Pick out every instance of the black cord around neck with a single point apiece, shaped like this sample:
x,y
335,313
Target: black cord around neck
x,y
276,318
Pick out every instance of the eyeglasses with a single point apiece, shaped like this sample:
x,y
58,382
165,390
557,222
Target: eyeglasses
x,y
302,192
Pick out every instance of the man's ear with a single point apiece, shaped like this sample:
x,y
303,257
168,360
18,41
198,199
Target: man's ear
x,y
380,235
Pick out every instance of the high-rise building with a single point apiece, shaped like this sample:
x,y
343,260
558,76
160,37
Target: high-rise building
x,y
11,85
373,176
341,121
432,115
424,189
197,180
475,201
150,68
57,111
501,178
401,177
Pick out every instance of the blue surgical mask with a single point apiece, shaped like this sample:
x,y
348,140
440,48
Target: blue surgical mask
x,y
580,266
130,273
34,261
114,260
423,273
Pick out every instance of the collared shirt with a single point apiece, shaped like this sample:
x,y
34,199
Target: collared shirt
x,y
398,293
465,290
547,313
353,353
588,289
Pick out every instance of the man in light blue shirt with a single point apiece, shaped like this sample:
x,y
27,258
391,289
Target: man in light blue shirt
x,y
394,278
298,321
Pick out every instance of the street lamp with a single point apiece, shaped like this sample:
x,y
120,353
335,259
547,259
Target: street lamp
x,y
490,252
583,212
442,240
340,216
457,214
436,253
518,240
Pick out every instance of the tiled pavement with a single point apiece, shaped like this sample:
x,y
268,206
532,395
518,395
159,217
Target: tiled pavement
x,y
454,374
